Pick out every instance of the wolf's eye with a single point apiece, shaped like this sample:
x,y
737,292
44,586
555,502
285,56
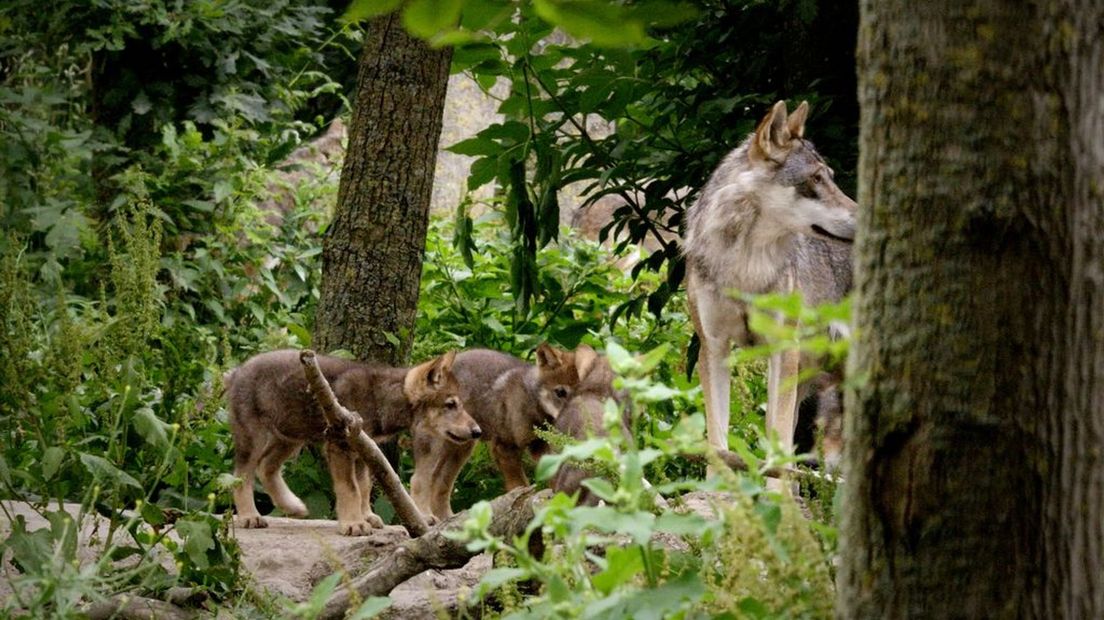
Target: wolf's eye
x,y
450,404
816,179
560,391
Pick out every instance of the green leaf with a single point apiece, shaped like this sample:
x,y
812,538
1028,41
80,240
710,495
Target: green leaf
x,y
102,469
361,10
604,23
622,564
198,540
601,487
654,357
637,524
689,524
370,608
5,472
153,429
426,18
51,460
496,578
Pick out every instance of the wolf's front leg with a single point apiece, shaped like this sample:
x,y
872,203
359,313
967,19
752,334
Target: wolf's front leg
x,y
509,460
364,483
350,516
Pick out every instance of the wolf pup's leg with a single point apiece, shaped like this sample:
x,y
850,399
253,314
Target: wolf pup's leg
x,y
275,454
452,461
246,457
509,460
350,518
364,484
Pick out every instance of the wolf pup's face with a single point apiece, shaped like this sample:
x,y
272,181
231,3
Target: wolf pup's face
x,y
807,200
558,375
435,394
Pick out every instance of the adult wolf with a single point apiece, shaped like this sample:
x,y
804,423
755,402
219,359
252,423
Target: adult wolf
x,y
769,220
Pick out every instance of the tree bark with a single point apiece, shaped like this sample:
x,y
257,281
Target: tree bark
x,y
372,253
975,482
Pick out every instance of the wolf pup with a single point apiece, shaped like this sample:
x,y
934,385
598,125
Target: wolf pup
x,y
582,418
272,414
769,220
510,399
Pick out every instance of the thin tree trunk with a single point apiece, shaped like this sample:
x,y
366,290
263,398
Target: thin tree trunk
x,y
975,457
372,254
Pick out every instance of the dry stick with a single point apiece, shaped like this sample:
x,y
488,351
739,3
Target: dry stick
x,y
511,514
344,430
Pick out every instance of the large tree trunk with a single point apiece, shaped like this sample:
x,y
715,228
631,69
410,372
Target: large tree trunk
x,y
975,458
372,254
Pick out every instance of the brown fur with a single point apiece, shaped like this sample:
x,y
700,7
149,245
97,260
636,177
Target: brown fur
x,y
272,415
582,418
509,399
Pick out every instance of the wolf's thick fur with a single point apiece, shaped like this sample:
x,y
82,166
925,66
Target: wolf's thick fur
x,y
769,220
510,399
272,414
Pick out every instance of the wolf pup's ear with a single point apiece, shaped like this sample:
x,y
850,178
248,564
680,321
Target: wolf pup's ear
x,y
772,137
796,121
441,366
427,376
548,356
584,360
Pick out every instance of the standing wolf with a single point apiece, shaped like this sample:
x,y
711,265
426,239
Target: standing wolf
x,y
769,220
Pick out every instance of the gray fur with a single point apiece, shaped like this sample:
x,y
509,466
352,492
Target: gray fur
x,y
769,220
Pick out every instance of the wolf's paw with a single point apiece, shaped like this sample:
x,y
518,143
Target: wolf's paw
x,y
374,521
255,522
355,528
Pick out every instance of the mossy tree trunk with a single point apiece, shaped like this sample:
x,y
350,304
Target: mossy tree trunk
x,y
372,253
975,458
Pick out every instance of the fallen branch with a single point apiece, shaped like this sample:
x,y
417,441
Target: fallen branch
x,y
129,607
343,427
511,514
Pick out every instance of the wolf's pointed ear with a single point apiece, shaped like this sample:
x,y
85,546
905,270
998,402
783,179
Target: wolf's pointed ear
x,y
796,121
584,359
435,378
427,376
548,356
772,137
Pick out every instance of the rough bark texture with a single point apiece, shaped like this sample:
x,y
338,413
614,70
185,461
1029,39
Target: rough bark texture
x,y
372,254
511,514
975,442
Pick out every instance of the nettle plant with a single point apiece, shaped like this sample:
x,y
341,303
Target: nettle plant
x,y
750,553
